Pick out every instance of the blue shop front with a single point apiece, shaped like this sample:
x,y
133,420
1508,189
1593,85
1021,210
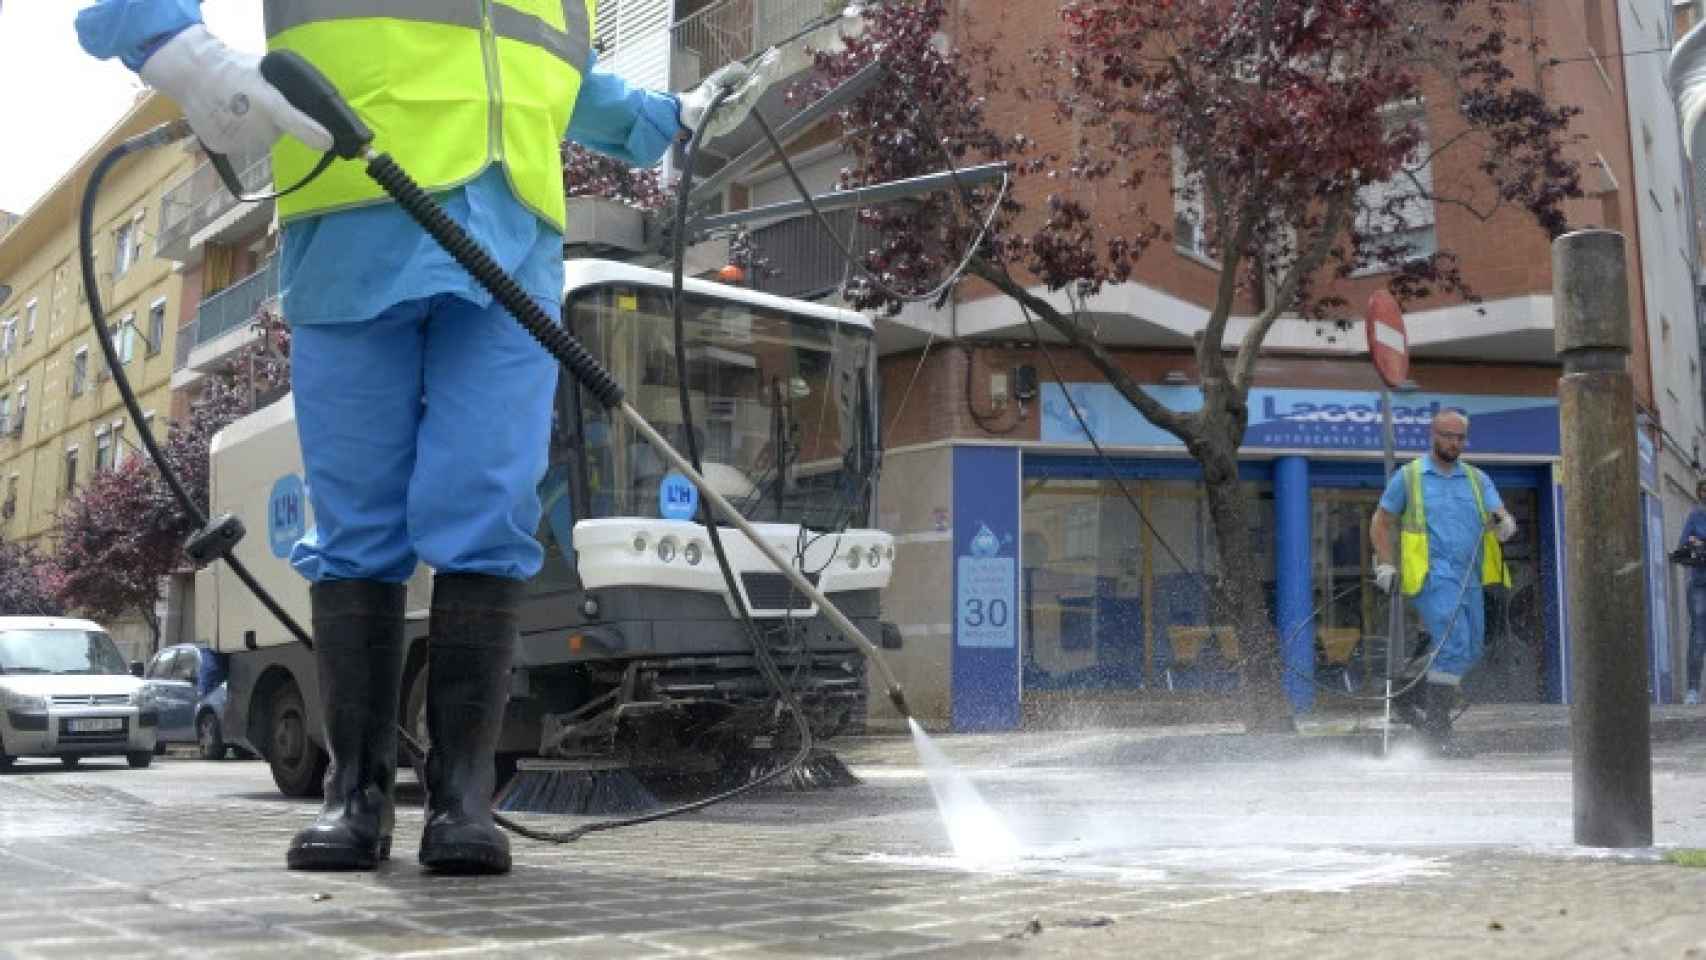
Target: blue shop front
x,y
1063,588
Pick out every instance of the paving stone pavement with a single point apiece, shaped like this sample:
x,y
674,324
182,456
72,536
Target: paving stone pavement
x,y
1343,856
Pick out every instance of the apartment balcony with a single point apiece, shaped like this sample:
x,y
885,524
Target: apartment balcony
x,y
799,260
222,323
729,30
201,210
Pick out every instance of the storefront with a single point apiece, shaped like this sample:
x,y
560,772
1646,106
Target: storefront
x,y
1074,574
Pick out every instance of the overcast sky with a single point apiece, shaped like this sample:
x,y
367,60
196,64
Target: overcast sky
x,y
56,101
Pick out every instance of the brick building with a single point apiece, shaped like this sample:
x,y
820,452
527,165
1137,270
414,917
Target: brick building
x,y
61,417
1109,605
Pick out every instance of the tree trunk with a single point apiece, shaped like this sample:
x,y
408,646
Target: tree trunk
x,y
1240,596
153,622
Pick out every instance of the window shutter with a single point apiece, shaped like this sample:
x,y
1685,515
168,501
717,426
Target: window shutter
x,y
635,35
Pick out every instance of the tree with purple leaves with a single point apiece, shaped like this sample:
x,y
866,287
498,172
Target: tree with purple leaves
x,y
27,582
1305,133
587,173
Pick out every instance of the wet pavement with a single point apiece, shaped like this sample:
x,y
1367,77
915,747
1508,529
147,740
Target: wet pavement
x,y
1246,850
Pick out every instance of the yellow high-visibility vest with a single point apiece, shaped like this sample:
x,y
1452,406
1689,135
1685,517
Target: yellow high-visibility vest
x,y
1413,534
448,87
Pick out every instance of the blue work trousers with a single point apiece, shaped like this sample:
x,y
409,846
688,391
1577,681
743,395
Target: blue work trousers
x,y
424,436
1460,635
1696,634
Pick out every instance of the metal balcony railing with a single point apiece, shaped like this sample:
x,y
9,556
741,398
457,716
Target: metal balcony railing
x,y
736,29
228,310
201,199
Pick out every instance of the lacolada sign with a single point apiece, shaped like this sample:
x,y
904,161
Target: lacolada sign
x,y
1292,419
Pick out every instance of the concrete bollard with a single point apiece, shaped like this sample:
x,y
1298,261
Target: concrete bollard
x,y
1610,741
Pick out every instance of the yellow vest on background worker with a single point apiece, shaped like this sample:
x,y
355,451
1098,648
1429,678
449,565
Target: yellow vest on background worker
x,y
448,88
1413,534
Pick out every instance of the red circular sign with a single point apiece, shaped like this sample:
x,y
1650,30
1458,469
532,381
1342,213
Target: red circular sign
x,y
1387,342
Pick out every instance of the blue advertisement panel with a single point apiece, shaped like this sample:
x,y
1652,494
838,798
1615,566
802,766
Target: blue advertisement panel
x,y
1561,580
1293,419
1658,598
1649,457
986,589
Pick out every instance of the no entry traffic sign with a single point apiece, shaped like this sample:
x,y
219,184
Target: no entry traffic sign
x,y
1387,343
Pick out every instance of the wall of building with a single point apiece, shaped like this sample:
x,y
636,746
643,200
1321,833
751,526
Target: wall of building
x,y
915,505
39,258
1664,225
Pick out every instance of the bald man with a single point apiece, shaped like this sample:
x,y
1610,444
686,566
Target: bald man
x,y
1451,523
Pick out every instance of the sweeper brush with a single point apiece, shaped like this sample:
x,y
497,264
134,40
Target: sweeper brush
x,y
566,787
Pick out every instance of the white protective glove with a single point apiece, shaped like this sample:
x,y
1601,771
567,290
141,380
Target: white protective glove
x,y
748,85
1385,576
1504,527
229,105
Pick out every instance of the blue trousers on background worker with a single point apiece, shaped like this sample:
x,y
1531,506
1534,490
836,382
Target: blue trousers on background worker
x,y
424,436
1460,635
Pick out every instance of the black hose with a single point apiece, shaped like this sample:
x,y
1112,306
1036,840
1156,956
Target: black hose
x,y
159,136
559,342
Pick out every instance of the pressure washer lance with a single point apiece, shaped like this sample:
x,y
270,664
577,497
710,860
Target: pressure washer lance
x,y
307,89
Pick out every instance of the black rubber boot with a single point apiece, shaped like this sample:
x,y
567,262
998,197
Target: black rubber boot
x,y
473,634
1442,700
358,650
1408,704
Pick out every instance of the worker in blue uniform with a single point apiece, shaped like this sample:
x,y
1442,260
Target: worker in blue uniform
x,y
1451,524
422,408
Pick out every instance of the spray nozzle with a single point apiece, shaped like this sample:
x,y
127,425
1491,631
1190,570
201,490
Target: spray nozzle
x,y
898,698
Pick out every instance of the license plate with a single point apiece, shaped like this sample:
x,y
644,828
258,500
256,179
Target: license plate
x,y
95,725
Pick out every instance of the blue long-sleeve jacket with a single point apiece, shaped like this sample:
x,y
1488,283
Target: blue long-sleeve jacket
x,y
352,265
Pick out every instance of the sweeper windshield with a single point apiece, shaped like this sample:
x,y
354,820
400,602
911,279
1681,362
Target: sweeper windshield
x,y
781,401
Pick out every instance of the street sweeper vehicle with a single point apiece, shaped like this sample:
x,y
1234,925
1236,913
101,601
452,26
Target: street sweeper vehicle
x,y
633,661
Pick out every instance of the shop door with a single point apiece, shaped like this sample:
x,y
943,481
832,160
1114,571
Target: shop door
x,y
1351,613
1511,670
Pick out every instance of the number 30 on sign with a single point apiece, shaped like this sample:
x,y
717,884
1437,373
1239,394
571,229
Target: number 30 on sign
x,y
985,602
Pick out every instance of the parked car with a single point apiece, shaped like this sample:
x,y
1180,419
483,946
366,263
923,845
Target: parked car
x,y
66,692
185,682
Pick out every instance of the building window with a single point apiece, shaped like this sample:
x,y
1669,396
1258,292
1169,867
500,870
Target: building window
x,y
103,450
8,336
127,246
125,343
1190,212
1078,531
121,449
1396,216
16,426
79,371
30,312
1121,602
70,471
9,508
156,326
5,413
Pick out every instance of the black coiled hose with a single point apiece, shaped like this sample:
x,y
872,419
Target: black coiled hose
x,y
420,207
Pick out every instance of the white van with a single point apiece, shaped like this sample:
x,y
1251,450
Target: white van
x,y
66,692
